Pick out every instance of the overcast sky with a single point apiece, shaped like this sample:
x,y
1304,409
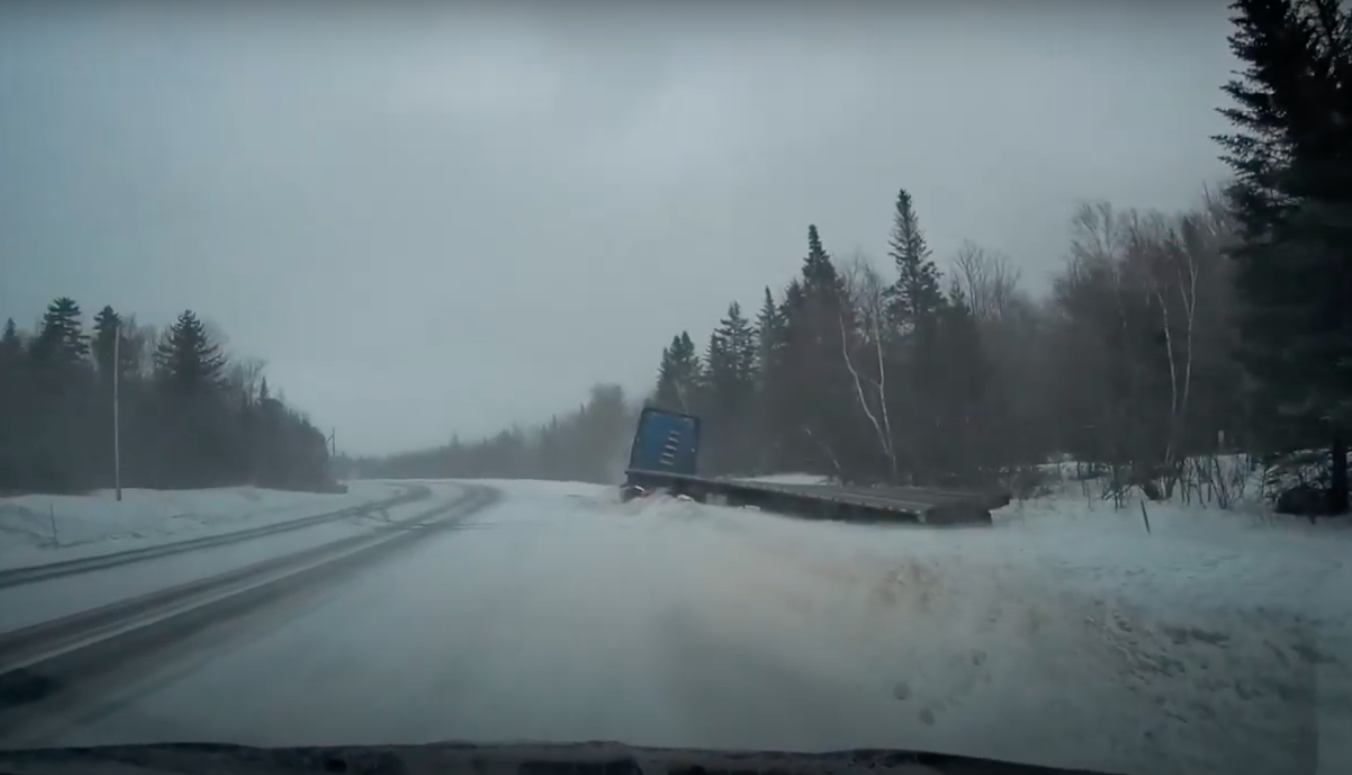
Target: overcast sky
x,y
431,221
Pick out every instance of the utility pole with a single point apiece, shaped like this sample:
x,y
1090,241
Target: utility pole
x,y
333,453
117,425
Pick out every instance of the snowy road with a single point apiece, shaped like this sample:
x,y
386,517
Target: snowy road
x,y
562,615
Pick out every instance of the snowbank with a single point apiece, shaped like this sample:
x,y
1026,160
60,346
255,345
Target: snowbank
x,y
46,528
790,479
1211,643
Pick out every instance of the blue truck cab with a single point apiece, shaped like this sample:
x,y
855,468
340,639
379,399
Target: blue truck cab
x,y
665,442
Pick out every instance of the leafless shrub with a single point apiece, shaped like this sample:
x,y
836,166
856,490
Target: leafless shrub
x,y
1214,482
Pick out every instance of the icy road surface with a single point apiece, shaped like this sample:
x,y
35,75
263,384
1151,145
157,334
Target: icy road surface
x,y
563,615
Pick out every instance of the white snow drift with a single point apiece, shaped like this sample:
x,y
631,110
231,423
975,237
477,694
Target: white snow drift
x,y
44,528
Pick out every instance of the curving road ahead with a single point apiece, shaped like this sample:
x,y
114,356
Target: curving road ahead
x,y
559,615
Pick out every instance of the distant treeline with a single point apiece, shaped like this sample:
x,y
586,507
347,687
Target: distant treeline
x,y
190,416
588,445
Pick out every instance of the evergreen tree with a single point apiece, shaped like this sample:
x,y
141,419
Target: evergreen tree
x,y
791,311
915,296
107,326
58,391
962,383
680,375
11,346
773,383
769,334
667,395
15,398
810,407
61,337
1292,155
742,345
717,366
189,361
728,392
190,370
818,271
916,304
730,360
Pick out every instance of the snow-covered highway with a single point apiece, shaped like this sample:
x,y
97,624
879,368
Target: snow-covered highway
x,y
559,614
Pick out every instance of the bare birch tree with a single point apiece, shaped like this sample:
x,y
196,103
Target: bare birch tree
x,y
988,279
866,292
1159,258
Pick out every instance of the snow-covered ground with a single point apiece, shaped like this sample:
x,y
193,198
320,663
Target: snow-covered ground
x,y
790,479
29,604
1063,635
37,529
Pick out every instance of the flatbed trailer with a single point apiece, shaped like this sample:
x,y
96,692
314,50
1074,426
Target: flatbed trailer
x,y
664,458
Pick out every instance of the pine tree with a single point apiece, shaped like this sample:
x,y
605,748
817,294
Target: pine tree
x,y
716,367
692,369
61,336
742,345
791,309
808,403
16,401
769,336
1292,155
679,375
963,376
817,268
915,296
727,392
730,359
11,345
188,361
107,327
916,305
823,284
772,382
666,396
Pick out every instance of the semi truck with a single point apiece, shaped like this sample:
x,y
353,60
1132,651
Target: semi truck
x,y
664,459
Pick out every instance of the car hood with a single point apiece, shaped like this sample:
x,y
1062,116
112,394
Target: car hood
x,y
525,758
